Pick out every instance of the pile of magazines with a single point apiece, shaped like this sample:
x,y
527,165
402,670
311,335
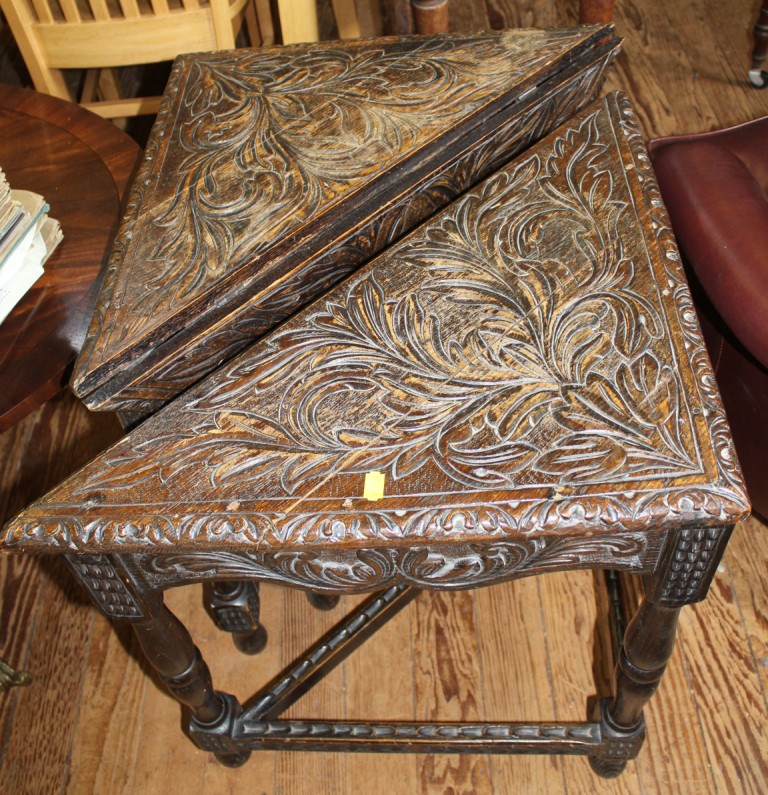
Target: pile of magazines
x,y
27,238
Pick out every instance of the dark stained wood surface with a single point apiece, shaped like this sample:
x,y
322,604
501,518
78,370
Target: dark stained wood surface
x,y
81,165
273,173
535,647
45,624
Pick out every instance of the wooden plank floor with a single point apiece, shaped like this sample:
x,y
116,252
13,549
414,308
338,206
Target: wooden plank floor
x,y
93,721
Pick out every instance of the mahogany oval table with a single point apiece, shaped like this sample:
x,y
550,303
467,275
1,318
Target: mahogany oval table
x,y
82,165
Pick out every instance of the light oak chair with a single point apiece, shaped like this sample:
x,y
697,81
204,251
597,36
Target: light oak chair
x,y
299,23
99,35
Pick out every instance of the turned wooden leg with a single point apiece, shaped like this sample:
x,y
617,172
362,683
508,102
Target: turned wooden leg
x,y
169,649
648,645
322,601
430,16
760,33
234,607
400,14
596,11
684,573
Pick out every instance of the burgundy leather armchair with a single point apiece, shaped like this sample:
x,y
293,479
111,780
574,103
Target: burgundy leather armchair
x,y
715,186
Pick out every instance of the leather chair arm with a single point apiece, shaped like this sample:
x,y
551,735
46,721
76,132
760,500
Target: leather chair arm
x,y
719,214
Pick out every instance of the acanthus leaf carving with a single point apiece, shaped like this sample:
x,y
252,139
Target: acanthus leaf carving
x,y
455,566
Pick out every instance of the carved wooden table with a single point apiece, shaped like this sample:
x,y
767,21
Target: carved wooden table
x,y
273,173
519,386
54,148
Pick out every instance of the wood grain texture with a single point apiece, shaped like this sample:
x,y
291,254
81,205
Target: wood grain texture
x,y
518,657
389,693
45,624
446,657
583,664
679,737
730,713
554,397
309,770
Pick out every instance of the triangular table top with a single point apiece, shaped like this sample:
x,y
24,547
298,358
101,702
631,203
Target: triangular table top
x,y
527,362
272,173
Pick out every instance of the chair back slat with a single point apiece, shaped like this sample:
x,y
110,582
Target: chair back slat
x,y
130,9
59,35
99,9
43,11
160,7
225,38
70,10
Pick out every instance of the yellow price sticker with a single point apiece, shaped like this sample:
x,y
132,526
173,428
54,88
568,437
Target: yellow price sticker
x,y
373,489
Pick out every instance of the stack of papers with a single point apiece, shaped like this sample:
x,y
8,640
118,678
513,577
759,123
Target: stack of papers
x,y
27,238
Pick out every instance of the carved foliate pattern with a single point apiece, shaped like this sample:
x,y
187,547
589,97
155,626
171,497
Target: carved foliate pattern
x,y
180,369
513,367
277,106
495,324
710,413
298,130
218,529
106,302
457,566
98,575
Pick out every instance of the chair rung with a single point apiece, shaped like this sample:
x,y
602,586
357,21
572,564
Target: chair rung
x,y
118,108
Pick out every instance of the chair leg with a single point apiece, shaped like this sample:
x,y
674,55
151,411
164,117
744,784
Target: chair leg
x,y
757,77
234,607
298,21
345,13
266,23
401,17
430,16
